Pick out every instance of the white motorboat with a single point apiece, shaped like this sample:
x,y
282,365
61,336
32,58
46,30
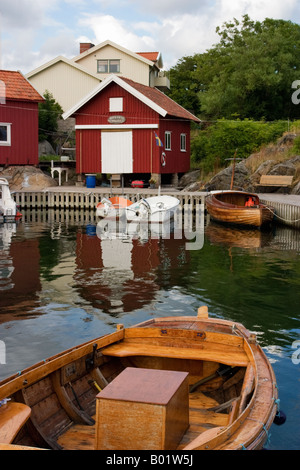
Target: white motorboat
x,y
112,208
156,209
8,207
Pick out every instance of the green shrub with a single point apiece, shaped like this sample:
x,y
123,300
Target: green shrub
x,y
219,142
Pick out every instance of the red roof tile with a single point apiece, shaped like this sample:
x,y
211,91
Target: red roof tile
x,y
162,100
17,88
149,55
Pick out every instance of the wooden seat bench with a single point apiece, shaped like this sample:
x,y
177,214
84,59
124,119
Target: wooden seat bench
x,y
13,416
276,181
225,354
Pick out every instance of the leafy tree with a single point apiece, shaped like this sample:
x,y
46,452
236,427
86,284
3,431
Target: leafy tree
x,y
49,113
256,64
184,84
248,74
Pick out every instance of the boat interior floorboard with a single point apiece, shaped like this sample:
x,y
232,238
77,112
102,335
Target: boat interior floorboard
x,y
82,437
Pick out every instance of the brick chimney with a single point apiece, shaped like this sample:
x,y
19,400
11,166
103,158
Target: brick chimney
x,y
85,46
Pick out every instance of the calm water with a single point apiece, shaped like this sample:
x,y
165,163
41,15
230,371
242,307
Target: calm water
x,y
64,281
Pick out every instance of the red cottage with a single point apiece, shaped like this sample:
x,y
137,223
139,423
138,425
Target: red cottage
x,y
126,128
18,120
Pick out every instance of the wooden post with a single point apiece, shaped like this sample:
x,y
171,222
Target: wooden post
x,y
202,312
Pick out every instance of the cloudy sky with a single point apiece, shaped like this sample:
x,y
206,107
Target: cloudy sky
x,y
32,32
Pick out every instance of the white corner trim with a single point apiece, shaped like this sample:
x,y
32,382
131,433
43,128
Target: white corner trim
x,y
115,126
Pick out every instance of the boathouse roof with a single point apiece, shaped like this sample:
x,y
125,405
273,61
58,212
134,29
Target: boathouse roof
x,y
17,88
150,96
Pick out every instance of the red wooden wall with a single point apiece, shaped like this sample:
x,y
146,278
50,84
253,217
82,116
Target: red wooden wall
x,y
24,133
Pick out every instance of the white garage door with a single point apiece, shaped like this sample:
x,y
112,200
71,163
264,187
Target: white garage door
x,y
116,152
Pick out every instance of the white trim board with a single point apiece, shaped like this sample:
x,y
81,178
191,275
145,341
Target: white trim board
x,y
115,126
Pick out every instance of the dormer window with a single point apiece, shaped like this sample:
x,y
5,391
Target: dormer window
x,y
108,66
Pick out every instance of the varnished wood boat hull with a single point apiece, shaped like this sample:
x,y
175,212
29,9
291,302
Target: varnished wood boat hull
x,y
230,208
222,391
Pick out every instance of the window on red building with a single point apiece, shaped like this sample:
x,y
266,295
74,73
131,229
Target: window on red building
x,y
5,134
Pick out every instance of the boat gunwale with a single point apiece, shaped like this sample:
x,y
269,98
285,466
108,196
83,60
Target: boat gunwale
x,y
34,373
233,430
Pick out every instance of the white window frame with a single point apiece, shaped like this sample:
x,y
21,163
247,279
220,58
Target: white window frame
x,y
116,105
168,140
7,142
183,142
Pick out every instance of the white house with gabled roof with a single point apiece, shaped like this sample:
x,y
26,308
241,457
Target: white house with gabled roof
x,y
66,80
108,57
69,80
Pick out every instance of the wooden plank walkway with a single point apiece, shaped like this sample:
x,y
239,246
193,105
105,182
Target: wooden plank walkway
x,y
287,206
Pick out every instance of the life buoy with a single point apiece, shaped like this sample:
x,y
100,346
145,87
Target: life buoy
x,y
163,159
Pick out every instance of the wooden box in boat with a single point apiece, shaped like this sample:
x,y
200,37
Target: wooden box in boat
x,y
229,207
232,392
143,409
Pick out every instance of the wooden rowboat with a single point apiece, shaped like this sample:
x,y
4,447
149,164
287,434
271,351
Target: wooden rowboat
x,y
184,383
230,207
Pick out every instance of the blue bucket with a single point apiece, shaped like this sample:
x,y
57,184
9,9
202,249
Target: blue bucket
x,y
90,181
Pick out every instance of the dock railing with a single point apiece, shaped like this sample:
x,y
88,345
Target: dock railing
x,y
89,198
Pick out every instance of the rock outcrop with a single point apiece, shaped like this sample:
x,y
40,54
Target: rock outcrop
x,y
222,180
27,177
273,162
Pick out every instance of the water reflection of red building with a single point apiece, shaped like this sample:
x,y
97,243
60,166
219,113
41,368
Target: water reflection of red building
x,y
116,275
121,275
20,279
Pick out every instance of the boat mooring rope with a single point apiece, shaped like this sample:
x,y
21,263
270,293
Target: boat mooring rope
x,y
276,215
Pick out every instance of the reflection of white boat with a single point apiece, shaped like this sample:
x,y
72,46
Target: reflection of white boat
x,y
7,230
8,207
113,207
153,209
110,229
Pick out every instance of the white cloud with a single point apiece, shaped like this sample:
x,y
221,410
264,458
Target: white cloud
x,y
108,27
24,14
163,8
32,33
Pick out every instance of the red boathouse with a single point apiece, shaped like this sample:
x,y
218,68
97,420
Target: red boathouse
x,y
18,120
126,128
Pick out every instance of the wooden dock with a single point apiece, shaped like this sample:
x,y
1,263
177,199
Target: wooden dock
x,y
287,207
73,197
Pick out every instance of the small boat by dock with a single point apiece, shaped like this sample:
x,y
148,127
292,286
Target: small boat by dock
x,y
239,208
113,207
157,209
8,207
182,383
